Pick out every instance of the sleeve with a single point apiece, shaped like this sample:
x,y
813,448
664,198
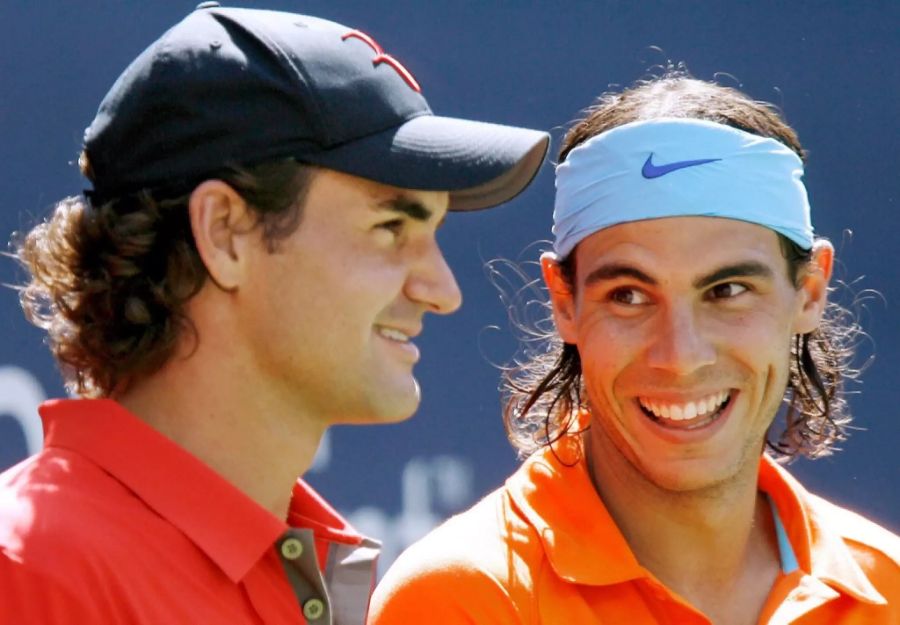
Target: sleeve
x,y
29,597
421,590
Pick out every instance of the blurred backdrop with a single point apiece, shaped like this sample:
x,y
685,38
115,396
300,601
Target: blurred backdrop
x,y
831,65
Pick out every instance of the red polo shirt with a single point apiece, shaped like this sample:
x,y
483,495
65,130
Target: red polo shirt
x,y
543,550
114,523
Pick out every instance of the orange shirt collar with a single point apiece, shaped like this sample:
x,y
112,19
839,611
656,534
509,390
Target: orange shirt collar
x,y
583,544
820,549
232,529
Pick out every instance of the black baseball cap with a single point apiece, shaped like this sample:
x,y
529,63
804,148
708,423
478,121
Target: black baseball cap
x,y
245,86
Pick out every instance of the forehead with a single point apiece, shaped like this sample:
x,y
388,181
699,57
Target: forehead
x,y
675,245
336,189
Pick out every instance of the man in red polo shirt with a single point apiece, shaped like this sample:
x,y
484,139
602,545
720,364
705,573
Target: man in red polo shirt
x,y
251,265
688,293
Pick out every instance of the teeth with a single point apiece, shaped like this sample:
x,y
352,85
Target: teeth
x,y
689,410
394,335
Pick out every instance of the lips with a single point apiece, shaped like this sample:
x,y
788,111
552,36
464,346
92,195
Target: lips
x,y
400,340
690,414
393,334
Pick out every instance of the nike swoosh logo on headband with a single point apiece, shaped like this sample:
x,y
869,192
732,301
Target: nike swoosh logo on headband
x,y
651,171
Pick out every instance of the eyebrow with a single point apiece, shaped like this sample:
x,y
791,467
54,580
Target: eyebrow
x,y
612,271
749,269
411,208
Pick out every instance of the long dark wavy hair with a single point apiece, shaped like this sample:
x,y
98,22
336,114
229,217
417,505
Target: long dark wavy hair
x,y
109,279
544,389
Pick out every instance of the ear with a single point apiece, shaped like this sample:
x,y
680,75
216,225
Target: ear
x,y
561,297
814,287
220,221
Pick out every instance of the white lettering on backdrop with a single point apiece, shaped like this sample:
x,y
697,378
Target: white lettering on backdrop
x,y
20,396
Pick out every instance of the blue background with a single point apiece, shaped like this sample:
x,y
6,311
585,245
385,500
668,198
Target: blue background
x,y
831,66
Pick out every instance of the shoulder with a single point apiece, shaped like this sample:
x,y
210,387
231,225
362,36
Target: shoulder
x,y
58,496
477,566
29,596
858,531
41,566
874,548
66,526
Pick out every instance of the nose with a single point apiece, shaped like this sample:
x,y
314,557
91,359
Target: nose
x,y
432,283
680,345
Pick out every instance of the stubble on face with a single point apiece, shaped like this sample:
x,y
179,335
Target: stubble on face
x,y
744,345
330,318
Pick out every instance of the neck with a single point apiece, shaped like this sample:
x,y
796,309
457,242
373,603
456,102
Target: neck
x,y
716,546
241,426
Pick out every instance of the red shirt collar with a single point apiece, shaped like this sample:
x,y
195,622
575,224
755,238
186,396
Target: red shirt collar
x,y
232,529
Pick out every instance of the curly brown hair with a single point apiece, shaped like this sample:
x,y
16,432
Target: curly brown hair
x,y
544,390
109,280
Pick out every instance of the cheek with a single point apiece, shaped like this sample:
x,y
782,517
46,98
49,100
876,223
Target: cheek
x,y
606,349
762,336
759,349
606,333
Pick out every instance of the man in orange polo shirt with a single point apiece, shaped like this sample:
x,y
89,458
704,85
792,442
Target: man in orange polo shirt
x,y
251,265
688,293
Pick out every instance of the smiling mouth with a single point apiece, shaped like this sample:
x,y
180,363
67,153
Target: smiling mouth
x,y
401,342
393,334
688,415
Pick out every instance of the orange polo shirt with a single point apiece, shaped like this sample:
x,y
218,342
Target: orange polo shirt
x,y
543,549
114,523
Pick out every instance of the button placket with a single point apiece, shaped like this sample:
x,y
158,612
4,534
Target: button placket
x,y
292,548
313,609
298,557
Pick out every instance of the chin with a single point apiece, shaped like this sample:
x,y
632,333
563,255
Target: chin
x,y
691,476
382,417
391,405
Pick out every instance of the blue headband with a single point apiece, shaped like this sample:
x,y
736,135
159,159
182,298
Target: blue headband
x,y
676,168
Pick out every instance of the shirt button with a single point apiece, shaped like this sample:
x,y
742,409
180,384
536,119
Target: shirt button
x,y
313,609
292,548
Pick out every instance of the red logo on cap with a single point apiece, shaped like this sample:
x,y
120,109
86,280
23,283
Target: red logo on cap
x,y
381,57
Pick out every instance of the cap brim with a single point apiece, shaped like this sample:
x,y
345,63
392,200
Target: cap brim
x,y
480,164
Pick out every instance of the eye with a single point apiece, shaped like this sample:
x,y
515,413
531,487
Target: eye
x,y
394,226
628,296
727,290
